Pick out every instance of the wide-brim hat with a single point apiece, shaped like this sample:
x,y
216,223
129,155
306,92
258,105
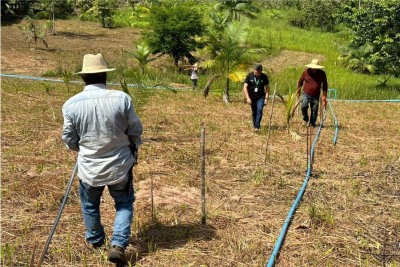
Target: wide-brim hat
x,y
94,64
314,64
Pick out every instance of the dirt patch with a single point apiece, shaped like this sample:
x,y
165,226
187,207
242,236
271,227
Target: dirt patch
x,y
169,196
287,59
66,48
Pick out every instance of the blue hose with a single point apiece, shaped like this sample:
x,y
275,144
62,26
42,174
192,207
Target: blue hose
x,y
378,100
336,123
26,77
288,219
57,80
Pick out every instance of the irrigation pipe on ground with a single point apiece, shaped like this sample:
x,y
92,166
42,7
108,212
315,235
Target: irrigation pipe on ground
x,y
336,123
32,78
288,219
355,100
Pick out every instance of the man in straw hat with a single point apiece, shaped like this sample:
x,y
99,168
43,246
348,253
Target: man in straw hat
x,y
256,91
102,126
311,80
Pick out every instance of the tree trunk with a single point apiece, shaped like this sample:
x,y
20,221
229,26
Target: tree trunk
x,y
208,85
53,24
225,96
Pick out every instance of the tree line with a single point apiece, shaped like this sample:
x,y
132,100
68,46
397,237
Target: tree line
x,y
215,32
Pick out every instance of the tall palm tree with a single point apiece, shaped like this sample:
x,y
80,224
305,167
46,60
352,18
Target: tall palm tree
x,y
237,9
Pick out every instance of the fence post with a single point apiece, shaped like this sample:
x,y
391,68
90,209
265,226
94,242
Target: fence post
x,y
203,176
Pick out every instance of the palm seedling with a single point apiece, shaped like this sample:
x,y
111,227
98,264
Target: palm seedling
x,y
290,107
141,56
35,31
67,77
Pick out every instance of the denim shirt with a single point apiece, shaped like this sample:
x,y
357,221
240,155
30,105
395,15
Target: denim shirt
x,y
100,124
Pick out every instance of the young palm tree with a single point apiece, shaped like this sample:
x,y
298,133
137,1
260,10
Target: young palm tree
x,y
232,57
35,30
237,9
290,104
141,56
48,10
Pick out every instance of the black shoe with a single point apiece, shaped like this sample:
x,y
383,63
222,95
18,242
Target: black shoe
x,y
93,246
117,255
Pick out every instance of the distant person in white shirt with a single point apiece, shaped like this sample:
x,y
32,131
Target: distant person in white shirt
x,y
194,75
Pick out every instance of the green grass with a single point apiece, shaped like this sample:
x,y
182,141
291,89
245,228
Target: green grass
x,y
276,34
272,32
131,17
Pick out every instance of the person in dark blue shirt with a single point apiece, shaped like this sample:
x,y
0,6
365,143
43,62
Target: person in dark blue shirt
x,y
256,90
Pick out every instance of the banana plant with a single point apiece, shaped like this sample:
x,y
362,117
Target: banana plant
x,y
67,77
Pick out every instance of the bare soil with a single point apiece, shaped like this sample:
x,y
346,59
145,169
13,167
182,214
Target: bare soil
x,y
66,48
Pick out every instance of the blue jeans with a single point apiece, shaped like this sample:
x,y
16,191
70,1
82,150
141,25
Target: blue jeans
x,y
257,106
123,195
314,104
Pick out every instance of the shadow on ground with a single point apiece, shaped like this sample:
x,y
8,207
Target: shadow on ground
x,y
159,236
79,36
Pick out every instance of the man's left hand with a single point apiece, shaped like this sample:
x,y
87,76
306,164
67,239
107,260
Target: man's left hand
x,y
265,102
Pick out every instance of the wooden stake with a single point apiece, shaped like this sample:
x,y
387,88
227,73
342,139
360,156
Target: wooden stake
x,y
269,124
203,176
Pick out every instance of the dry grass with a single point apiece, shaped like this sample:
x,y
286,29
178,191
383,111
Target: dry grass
x,y
349,215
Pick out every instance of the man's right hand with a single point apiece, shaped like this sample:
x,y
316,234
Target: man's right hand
x,y
324,101
249,101
134,152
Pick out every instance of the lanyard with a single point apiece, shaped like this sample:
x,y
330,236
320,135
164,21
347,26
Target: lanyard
x,y
257,82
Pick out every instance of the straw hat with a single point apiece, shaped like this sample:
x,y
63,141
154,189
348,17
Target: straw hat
x,y
314,64
94,64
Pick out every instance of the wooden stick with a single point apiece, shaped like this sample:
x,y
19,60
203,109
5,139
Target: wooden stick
x,y
269,124
203,176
